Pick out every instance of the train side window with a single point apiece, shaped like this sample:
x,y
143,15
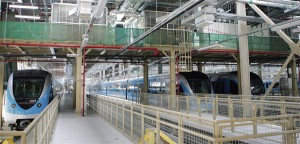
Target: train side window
x,y
276,85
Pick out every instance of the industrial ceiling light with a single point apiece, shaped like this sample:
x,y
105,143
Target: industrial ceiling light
x,y
103,52
27,17
23,7
286,25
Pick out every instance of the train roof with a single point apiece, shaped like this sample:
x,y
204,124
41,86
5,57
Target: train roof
x,y
32,72
193,74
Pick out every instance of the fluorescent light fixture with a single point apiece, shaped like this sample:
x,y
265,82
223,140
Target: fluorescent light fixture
x,y
208,47
103,52
52,52
84,41
72,55
286,24
27,17
23,7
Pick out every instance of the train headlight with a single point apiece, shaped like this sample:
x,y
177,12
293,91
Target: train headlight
x,y
13,105
39,105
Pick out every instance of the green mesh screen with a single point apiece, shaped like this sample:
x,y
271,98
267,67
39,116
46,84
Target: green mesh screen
x,y
101,35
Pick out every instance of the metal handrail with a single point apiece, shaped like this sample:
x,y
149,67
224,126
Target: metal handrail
x,y
189,127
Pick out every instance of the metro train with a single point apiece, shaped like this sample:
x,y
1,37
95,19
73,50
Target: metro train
x,y
189,84
28,93
227,83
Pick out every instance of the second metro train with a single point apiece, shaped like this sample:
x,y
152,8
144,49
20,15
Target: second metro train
x,y
188,83
227,83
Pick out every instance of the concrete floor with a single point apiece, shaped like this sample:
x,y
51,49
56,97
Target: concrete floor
x,y
92,129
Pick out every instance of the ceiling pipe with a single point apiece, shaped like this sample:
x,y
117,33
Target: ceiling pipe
x,y
94,61
56,61
77,46
42,45
236,52
271,4
284,2
52,52
34,55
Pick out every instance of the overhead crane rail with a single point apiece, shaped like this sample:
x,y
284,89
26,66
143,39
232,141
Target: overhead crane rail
x,y
133,119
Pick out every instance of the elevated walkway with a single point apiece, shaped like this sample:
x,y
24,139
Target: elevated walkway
x,y
210,120
74,129
65,35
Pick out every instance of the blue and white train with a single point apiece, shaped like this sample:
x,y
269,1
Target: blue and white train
x,y
28,93
227,83
189,84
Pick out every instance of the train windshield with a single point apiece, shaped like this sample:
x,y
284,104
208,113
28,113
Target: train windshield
x,y
257,86
28,87
199,85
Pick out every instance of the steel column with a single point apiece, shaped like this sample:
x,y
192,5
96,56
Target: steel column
x,y
260,70
294,77
244,50
244,59
172,79
160,68
2,67
78,77
199,66
145,89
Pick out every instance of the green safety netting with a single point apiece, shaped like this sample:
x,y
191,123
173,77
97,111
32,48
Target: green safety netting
x,y
109,36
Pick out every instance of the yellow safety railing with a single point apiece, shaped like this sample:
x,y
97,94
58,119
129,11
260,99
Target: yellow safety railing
x,y
231,106
135,120
39,131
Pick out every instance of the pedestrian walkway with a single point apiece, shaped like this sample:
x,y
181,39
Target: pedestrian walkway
x,y
74,129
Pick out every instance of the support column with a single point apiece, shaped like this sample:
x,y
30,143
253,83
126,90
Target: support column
x,y
199,66
78,78
145,88
2,67
103,74
239,78
260,71
172,74
160,68
244,59
113,74
244,50
294,78
227,68
100,76
120,71
172,102
74,86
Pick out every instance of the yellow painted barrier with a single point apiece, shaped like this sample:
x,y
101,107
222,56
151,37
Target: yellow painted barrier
x,y
149,137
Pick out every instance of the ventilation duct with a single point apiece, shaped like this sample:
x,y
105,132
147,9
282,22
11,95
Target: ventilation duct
x,y
64,13
202,18
84,9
